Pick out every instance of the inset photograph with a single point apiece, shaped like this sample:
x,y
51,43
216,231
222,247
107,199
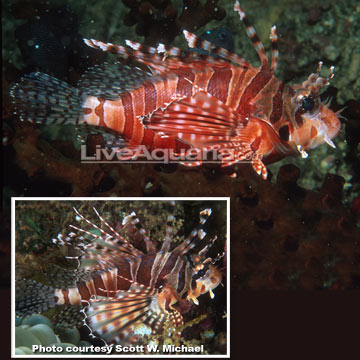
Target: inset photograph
x,y
121,277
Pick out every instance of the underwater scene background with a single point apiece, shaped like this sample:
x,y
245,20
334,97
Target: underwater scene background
x,y
42,256
297,231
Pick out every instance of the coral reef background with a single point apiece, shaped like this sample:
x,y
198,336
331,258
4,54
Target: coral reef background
x,y
298,231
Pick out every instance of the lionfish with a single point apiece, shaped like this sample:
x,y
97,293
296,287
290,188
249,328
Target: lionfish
x,y
123,289
184,100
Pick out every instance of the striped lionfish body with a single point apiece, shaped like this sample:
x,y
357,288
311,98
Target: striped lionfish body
x,y
125,288
186,100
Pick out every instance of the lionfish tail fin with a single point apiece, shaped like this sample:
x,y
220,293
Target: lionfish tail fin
x,y
33,297
126,316
43,99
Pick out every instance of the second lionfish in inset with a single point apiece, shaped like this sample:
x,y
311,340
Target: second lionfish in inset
x,y
122,287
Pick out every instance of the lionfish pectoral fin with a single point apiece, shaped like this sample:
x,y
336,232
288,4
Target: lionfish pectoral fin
x,y
255,161
259,167
242,153
116,319
198,119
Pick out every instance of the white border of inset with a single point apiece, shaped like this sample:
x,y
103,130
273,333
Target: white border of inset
x,y
192,355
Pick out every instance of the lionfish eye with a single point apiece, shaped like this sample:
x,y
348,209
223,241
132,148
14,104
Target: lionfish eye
x,y
307,103
201,273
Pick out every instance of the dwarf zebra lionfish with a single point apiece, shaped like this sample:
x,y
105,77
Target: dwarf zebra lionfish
x,y
186,100
122,288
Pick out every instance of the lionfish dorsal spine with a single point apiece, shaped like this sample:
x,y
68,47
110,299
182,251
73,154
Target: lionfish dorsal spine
x,y
133,219
107,224
109,240
169,228
205,249
274,49
107,235
197,43
251,33
196,234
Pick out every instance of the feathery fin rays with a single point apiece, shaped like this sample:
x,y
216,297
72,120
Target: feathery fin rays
x,y
173,123
110,317
215,124
114,318
151,56
106,241
175,58
112,311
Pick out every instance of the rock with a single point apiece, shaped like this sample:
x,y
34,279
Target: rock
x,y
23,337
45,334
71,335
36,319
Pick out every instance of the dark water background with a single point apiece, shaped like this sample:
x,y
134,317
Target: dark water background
x,y
298,232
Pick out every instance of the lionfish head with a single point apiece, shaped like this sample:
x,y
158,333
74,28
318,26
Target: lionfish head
x,y
313,123
206,279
